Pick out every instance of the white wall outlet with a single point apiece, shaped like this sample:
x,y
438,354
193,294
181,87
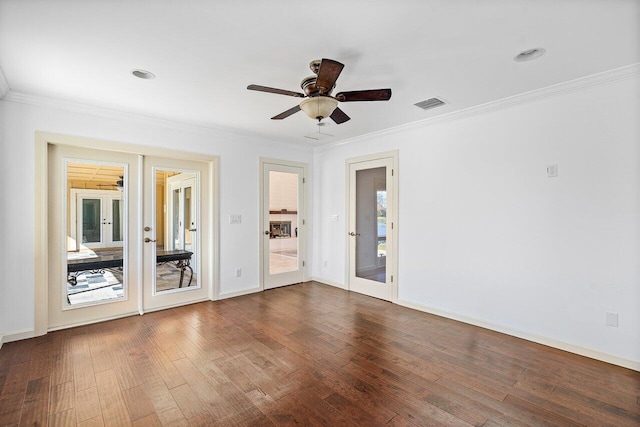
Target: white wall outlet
x,y
235,219
612,319
238,272
552,171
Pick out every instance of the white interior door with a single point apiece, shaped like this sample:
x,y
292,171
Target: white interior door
x,y
177,230
283,225
371,233
89,283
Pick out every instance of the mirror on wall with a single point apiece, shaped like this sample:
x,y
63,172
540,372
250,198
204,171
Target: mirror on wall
x,y
96,232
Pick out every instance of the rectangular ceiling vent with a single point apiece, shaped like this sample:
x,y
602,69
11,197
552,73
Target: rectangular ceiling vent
x,y
430,103
318,136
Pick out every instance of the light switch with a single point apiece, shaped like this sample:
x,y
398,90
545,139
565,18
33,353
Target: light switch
x,y
612,319
235,219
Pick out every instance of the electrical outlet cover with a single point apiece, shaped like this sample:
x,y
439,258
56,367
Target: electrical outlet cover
x,y
612,319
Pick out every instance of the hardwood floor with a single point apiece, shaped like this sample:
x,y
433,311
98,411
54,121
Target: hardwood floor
x,y
304,354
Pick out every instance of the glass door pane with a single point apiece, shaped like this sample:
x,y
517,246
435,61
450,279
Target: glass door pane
x,y
91,220
188,219
283,222
117,223
95,260
175,256
371,224
175,223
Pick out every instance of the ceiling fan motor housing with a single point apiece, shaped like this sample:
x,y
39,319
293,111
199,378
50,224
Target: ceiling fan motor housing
x,y
309,87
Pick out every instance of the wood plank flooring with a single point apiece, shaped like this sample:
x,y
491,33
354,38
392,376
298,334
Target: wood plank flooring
x,y
306,354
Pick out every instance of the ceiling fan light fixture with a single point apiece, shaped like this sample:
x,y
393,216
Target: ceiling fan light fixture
x,y
319,107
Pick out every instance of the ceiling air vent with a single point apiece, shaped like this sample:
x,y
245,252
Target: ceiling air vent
x,y
430,103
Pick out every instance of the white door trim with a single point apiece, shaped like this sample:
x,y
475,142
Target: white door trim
x,y
302,214
41,243
392,261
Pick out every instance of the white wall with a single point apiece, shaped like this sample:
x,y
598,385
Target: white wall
x,y
239,191
485,235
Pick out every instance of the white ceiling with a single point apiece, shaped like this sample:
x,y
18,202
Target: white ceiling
x,y
205,53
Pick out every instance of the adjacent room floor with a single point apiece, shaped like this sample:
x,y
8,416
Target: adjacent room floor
x,y
304,354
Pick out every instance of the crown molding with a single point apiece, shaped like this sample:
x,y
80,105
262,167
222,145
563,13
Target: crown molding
x,y
4,86
579,84
582,83
110,113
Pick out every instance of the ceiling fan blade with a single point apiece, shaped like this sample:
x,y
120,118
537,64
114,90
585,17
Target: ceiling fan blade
x,y
328,74
287,113
365,95
339,116
276,91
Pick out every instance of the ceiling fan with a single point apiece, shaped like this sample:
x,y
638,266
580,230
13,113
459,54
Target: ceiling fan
x,y
119,184
318,103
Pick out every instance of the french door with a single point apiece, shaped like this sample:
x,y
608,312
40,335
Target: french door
x,y
114,248
88,280
283,224
99,218
177,216
372,227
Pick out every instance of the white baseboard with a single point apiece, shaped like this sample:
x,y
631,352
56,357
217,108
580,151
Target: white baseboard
x,y
91,322
169,306
571,348
16,336
329,282
239,293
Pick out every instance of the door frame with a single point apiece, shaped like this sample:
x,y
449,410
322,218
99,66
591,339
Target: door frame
x,y
41,242
392,261
302,215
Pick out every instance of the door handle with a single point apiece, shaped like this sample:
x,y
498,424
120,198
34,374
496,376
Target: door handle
x,y
266,233
354,234
147,240
193,229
